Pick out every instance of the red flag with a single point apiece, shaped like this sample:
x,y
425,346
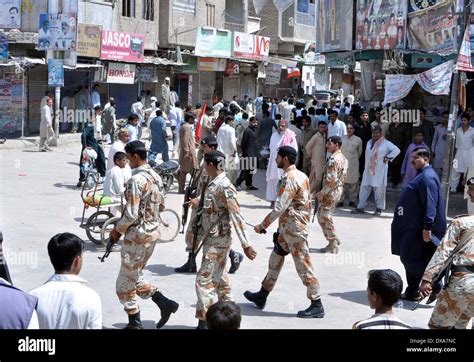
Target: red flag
x,y
293,72
197,132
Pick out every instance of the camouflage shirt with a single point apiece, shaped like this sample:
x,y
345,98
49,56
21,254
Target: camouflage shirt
x,y
144,202
220,208
334,173
293,203
460,231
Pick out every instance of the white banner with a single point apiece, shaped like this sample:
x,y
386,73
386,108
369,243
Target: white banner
x,y
121,73
397,86
273,74
436,81
250,46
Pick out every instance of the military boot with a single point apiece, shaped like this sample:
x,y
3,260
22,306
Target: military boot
x,y
202,325
259,298
166,306
189,266
235,260
134,321
315,310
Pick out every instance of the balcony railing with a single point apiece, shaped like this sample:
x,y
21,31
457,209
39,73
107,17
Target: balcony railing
x,y
235,27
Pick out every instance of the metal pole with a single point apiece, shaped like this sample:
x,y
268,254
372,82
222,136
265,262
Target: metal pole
x,y
23,104
453,112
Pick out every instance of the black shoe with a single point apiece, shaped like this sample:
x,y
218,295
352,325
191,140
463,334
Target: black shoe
x,y
202,325
134,321
272,205
432,298
358,211
189,266
79,184
315,310
352,204
237,187
414,298
167,306
252,188
378,212
259,298
340,204
235,260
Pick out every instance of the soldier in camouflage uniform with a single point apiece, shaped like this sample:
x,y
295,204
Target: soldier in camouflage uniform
x,y
208,144
293,209
334,175
139,224
220,208
455,305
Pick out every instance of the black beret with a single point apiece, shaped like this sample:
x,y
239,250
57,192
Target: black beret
x,y
135,146
209,140
287,151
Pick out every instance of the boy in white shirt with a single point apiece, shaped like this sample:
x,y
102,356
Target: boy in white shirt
x,y
117,177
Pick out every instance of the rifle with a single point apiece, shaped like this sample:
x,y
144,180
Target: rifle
x,y
189,193
198,221
108,250
445,271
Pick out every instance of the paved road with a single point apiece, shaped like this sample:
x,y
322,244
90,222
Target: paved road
x,y
39,199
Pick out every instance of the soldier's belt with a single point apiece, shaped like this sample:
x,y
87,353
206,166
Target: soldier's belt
x,y
462,269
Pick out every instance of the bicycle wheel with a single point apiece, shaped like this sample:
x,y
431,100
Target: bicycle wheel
x,y
107,228
169,226
94,225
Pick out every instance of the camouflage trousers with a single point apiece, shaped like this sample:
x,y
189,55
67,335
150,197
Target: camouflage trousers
x,y
297,245
130,282
188,236
212,279
455,304
324,214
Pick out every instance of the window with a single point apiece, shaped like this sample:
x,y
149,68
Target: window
x,y
210,15
306,12
185,5
128,8
149,10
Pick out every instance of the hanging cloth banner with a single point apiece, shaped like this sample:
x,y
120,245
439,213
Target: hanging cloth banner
x,y
464,58
436,81
397,86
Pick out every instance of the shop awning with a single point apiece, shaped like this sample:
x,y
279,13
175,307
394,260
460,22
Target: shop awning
x,y
84,66
283,61
161,61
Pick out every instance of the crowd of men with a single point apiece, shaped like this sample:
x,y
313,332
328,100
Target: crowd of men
x,y
311,152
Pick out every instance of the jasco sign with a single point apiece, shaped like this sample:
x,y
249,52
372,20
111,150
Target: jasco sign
x,y
248,46
121,73
122,46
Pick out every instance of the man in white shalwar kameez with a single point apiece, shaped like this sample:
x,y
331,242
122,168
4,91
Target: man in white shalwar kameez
x,y
227,144
284,137
378,153
464,143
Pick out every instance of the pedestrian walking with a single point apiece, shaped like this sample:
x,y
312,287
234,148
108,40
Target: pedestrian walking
x,y
352,150
188,162
46,126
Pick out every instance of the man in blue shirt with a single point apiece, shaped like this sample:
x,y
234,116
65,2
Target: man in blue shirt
x,y
159,137
419,223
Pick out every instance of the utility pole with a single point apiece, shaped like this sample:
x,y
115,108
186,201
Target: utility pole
x,y
453,115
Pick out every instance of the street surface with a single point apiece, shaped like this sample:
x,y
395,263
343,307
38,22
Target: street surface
x,y
39,198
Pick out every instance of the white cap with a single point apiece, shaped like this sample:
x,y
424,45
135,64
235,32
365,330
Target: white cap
x,y
154,99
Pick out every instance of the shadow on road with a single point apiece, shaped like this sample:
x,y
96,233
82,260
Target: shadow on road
x,y
160,269
356,296
248,309
66,186
149,324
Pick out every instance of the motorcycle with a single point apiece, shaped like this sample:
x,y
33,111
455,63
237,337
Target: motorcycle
x,y
168,172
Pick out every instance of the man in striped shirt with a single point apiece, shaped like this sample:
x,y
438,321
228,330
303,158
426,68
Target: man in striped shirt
x,y
383,291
